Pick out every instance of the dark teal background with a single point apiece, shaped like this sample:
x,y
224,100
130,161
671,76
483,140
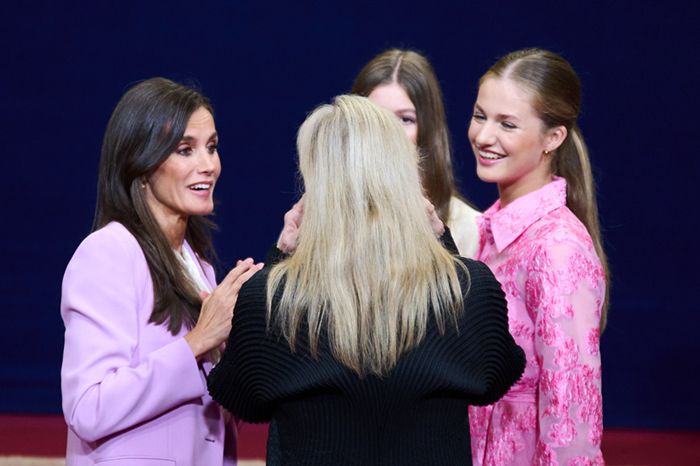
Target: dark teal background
x,y
266,64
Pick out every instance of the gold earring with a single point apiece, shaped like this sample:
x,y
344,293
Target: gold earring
x,y
546,152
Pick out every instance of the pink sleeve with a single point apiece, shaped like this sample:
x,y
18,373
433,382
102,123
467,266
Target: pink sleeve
x,y
564,292
106,384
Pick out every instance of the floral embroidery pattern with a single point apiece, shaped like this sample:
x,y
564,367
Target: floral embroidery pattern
x,y
554,283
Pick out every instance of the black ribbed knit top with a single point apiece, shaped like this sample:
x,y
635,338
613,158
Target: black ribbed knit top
x,y
325,414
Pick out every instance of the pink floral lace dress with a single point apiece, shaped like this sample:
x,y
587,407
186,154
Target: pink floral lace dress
x,y
554,283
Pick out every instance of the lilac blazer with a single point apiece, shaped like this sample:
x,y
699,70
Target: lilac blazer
x,y
133,394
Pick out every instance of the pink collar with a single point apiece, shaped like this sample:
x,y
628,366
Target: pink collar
x,y
510,222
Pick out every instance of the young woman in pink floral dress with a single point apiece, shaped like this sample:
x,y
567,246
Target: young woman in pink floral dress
x,y
542,241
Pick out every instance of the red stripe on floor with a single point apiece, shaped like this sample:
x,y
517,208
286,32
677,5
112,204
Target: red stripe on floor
x,y
46,436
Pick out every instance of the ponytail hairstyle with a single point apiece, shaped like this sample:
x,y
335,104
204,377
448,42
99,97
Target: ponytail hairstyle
x,y
413,72
145,128
556,98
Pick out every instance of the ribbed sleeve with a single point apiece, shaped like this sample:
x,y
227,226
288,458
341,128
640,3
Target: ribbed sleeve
x,y
487,348
243,381
326,414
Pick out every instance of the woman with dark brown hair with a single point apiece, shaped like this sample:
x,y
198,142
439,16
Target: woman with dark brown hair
x,y
403,82
143,315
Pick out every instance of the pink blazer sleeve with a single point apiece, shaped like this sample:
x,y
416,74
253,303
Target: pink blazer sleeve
x,y
109,381
565,290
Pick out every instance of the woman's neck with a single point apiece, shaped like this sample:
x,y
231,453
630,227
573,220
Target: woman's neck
x,y
512,191
174,228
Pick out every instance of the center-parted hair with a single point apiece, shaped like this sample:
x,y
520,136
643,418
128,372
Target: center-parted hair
x,y
143,131
368,269
414,73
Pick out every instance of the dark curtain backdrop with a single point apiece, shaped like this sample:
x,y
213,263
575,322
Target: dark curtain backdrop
x,y
265,65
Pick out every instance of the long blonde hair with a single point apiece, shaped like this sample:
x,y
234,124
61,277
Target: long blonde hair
x,y
367,268
556,92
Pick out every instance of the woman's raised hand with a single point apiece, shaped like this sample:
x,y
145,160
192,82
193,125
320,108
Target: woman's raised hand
x,y
214,322
435,222
287,241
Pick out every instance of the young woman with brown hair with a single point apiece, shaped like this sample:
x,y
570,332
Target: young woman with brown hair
x,y
404,82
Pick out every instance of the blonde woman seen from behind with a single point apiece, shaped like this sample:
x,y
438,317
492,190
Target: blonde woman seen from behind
x,y
404,82
365,344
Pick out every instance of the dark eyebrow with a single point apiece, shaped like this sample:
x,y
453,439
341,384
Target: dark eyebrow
x,y
213,136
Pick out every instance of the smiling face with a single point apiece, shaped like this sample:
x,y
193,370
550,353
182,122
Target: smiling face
x,y
509,139
183,184
393,97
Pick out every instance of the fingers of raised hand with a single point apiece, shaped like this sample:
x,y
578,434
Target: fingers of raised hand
x,y
435,222
429,207
438,226
244,277
239,275
295,214
238,270
300,204
293,217
287,241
